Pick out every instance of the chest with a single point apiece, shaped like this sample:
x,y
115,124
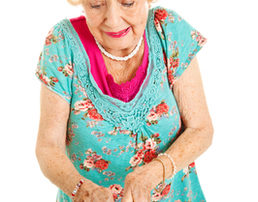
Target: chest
x,y
122,74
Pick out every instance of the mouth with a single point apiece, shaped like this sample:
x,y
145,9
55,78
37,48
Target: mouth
x,y
120,33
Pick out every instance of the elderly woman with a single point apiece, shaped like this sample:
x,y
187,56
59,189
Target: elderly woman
x,y
119,119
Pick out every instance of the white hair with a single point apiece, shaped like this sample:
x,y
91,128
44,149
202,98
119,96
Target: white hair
x,y
79,2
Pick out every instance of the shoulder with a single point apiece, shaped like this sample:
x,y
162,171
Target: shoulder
x,y
170,25
55,35
179,39
164,15
168,20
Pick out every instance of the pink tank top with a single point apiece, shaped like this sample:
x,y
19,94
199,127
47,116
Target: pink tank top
x,y
125,91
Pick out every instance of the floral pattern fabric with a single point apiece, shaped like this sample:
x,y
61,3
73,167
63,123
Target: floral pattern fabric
x,y
108,138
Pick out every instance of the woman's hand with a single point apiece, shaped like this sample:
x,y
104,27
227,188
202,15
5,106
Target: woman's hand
x,y
92,192
140,182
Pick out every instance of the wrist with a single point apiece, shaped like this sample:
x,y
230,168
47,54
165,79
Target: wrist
x,y
158,168
78,183
85,189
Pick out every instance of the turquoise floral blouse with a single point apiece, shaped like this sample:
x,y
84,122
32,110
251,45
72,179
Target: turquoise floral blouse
x,y
106,137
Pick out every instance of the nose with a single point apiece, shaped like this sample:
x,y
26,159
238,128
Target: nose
x,y
113,17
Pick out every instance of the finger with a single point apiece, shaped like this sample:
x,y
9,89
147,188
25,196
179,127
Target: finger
x,y
127,197
139,196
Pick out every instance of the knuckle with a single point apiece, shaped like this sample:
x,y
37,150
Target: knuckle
x,y
130,178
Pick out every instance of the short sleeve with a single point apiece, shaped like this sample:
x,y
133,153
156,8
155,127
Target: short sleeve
x,y
55,68
180,41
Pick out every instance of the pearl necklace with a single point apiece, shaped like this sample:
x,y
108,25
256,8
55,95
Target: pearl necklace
x,y
120,58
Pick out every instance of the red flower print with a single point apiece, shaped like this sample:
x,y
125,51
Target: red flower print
x,y
149,144
68,69
200,39
114,196
42,79
93,114
162,108
170,76
156,196
161,14
49,37
60,68
149,155
192,165
96,157
48,40
83,105
152,116
174,63
135,160
115,188
89,163
55,79
156,135
102,164
117,191
45,79
166,190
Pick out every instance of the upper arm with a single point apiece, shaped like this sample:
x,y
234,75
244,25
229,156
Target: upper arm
x,y
54,113
181,42
55,72
190,97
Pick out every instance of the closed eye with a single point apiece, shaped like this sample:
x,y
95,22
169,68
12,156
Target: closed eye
x,y
128,4
95,6
124,4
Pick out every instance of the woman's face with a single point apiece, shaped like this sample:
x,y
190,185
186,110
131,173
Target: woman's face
x,y
125,19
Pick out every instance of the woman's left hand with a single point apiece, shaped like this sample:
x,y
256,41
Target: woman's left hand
x,y
139,183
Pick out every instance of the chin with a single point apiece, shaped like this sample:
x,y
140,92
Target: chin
x,y
118,45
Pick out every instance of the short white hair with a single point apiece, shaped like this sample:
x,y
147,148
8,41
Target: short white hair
x,y
79,2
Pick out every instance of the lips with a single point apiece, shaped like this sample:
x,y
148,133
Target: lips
x,y
120,33
117,33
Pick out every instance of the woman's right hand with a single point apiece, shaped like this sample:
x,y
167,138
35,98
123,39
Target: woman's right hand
x,y
92,192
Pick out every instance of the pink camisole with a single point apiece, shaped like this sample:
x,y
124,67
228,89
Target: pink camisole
x,y
125,91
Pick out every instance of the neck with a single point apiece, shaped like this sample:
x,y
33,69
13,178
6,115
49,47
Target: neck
x,y
126,64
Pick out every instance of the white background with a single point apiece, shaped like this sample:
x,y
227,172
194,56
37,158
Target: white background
x,y
228,63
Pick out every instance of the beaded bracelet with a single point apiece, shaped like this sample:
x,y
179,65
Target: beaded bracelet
x,y
164,174
173,164
77,187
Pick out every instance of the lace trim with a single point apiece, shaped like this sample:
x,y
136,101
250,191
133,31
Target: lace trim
x,y
128,115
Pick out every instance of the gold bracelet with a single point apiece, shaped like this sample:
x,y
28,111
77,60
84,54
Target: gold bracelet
x,y
172,163
164,173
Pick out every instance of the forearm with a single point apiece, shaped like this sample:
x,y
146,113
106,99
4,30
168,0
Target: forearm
x,y
58,168
186,148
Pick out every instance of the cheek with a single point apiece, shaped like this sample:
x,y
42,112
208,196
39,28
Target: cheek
x,y
93,24
140,22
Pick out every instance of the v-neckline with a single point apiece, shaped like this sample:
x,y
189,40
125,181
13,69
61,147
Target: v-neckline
x,y
94,83
127,115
